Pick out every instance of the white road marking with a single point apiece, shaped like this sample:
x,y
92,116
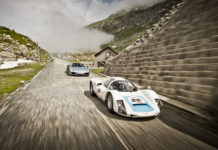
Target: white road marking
x,y
108,123
26,85
33,78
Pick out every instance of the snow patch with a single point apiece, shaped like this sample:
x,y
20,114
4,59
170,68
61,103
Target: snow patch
x,y
12,64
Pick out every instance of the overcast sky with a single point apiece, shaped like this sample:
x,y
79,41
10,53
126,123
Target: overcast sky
x,y
57,24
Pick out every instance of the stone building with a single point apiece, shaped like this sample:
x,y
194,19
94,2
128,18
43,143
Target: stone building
x,y
105,55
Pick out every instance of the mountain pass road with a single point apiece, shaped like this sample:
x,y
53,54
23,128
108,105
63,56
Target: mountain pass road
x,y
55,111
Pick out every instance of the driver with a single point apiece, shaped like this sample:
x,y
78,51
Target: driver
x,y
121,86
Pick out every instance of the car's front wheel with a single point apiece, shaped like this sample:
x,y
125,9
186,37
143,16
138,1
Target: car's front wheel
x,y
91,89
68,71
109,103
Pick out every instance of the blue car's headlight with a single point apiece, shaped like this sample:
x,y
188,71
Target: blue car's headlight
x,y
121,107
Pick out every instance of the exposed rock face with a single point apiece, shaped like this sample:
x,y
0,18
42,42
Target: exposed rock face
x,y
23,49
1,60
17,53
127,26
11,49
9,56
143,39
181,60
6,54
142,16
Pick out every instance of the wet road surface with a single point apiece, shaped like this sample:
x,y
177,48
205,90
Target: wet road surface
x,y
56,111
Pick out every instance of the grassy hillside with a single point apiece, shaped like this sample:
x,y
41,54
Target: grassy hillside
x,y
19,46
22,39
126,26
12,39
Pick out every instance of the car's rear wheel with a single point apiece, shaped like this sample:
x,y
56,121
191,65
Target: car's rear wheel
x,y
109,103
91,89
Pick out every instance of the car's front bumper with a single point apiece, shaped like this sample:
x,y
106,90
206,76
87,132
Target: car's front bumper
x,y
141,114
79,73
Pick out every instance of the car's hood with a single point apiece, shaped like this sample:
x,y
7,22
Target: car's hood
x,y
80,68
130,94
136,101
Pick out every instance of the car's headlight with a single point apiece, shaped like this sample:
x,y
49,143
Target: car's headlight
x,y
121,107
158,101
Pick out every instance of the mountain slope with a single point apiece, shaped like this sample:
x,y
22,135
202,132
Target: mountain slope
x,y
14,45
126,26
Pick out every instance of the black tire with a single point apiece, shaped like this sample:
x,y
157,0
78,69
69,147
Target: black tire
x,y
109,103
91,89
68,71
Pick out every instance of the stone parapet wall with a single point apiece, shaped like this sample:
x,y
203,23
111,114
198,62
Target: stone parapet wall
x,y
181,60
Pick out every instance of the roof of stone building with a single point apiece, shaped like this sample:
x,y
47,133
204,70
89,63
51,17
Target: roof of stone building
x,y
106,48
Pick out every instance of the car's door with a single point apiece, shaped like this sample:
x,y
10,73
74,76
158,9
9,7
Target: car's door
x,y
102,91
98,90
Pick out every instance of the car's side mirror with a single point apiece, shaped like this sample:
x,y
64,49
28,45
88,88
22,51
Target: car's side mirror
x,y
111,88
99,84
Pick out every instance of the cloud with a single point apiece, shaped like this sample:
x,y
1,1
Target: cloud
x,y
57,24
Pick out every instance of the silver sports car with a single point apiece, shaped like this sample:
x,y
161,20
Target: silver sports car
x,y
77,69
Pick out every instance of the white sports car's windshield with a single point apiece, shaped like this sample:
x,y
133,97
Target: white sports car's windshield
x,y
123,86
108,81
77,65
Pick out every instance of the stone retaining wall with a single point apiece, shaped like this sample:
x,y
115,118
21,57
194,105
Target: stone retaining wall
x,y
181,60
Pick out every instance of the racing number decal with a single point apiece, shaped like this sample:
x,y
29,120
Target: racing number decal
x,y
136,100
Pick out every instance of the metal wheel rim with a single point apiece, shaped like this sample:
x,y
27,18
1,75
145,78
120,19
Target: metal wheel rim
x,y
109,102
91,88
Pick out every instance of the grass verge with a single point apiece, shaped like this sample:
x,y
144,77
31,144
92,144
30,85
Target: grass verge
x,y
13,78
97,70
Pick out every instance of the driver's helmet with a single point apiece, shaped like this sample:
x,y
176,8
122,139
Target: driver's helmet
x,y
121,85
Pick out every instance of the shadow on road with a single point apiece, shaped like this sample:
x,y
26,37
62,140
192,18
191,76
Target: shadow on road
x,y
190,124
173,117
103,109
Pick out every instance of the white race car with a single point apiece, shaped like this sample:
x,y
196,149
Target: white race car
x,y
122,96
